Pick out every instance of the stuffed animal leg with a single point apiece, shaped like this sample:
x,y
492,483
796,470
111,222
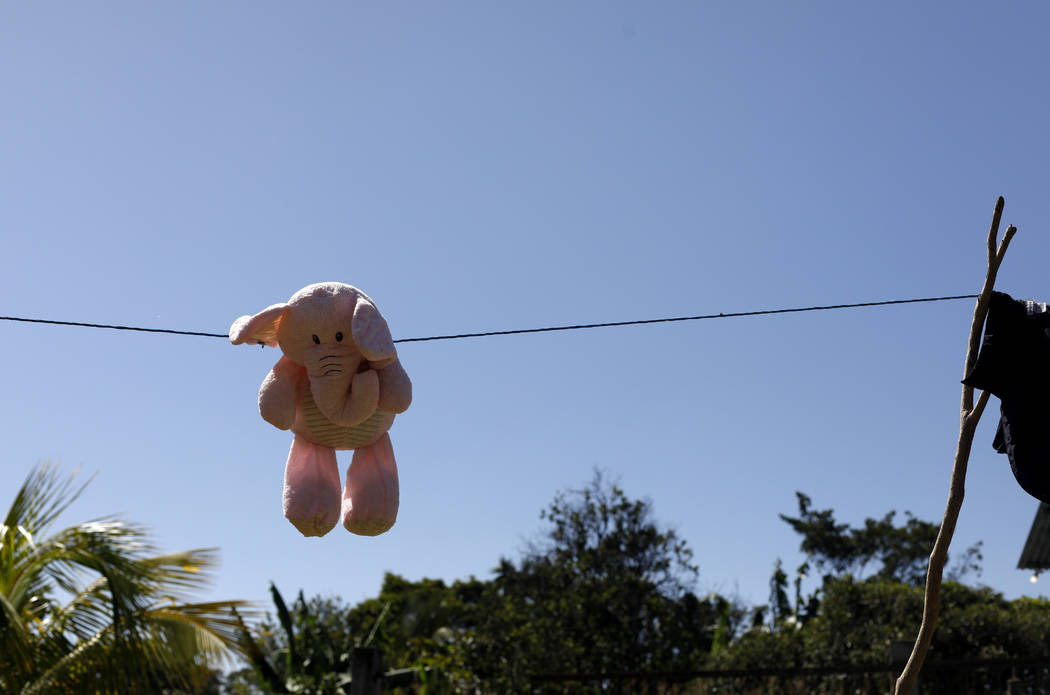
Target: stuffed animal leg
x,y
371,496
311,487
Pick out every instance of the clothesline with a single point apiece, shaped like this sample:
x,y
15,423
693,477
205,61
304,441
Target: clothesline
x,y
520,331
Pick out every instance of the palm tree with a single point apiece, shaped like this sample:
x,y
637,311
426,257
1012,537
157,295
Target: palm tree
x,y
94,609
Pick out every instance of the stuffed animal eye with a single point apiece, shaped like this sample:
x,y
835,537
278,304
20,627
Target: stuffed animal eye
x,y
339,337
317,341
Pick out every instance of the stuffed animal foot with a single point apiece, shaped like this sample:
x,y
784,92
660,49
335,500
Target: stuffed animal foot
x,y
372,494
311,488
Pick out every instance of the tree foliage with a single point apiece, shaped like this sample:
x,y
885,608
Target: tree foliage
x,y
858,619
426,624
93,608
901,551
307,647
605,589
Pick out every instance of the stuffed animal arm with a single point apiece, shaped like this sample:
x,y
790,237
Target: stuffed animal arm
x,y
279,394
338,385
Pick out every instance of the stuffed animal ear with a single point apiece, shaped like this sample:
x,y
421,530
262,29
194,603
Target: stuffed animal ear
x,y
372,334
260,329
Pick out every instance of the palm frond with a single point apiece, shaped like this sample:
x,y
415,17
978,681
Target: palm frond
x,y
210,629
187,570
44,495
251,648
84,614
129,622
15,646
286,622
86,652
109,547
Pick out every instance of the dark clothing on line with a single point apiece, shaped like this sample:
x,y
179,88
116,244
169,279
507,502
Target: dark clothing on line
x,y
1014,364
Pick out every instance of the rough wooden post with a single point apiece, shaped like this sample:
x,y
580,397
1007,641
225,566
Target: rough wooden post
x,y
366,671
969,417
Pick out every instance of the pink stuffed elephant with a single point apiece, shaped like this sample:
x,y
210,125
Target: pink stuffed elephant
x,y
338,386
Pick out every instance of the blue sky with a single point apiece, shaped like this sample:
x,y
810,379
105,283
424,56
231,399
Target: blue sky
x,y
486,166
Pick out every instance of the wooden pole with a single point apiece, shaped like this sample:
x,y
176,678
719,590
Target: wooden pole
x,y
366,672
969,417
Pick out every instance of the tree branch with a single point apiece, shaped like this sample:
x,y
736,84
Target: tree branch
x,y
970,416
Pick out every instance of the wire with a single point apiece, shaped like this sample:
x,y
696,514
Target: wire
x,y
116,328
547,329
701,317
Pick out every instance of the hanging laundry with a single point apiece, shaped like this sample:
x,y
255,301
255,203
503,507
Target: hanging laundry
x,y
1014,365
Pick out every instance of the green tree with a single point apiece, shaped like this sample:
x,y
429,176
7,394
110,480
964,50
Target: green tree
x,y
859,618
93,608
606,590
779,604
851,620
901,551
425,624
308,647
